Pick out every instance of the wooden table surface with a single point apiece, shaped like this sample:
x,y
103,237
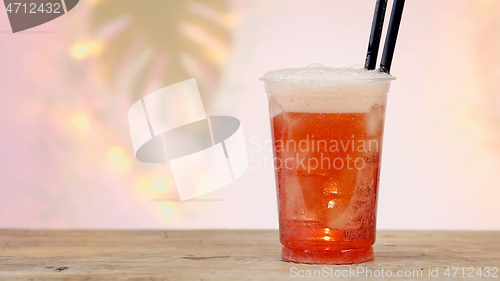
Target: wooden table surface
x,y
232,255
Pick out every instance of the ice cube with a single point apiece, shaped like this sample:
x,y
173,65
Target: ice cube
x,y
375,121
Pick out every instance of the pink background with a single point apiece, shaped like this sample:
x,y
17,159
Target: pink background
x,y
66,155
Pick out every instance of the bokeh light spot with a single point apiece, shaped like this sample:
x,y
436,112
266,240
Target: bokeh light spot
x,y
80,51
118,159
160,184
144,185
150,186
169,211
83,50
80,121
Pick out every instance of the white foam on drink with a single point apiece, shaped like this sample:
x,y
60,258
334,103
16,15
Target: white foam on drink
x,y
320,89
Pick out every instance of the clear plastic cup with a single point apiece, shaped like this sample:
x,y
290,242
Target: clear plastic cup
x,y
327,136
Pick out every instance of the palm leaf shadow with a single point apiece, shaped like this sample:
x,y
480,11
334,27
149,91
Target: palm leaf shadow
x,y
169,41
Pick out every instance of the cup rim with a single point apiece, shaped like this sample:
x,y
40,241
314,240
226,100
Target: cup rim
x,y
382,79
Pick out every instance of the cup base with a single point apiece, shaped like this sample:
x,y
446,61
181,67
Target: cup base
x,y
347,256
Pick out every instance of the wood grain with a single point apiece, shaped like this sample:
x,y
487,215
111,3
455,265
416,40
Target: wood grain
x,y
221,254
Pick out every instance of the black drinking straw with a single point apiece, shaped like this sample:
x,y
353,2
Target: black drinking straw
x,y
392,35
376,33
